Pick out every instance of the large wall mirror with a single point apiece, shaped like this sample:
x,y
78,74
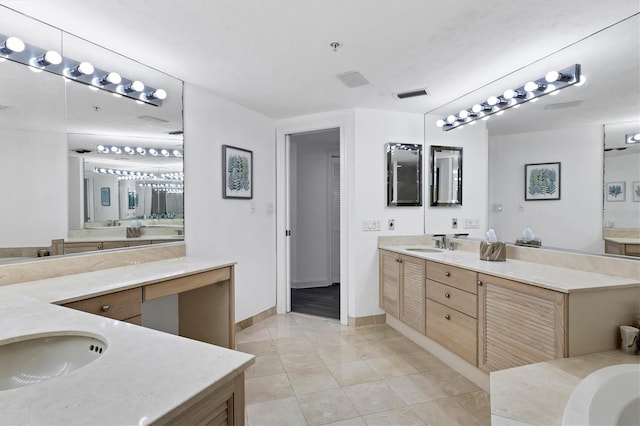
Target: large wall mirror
x,y
57,183
404,174
583,129
446,176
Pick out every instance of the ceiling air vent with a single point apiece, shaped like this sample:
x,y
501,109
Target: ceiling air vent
x,y
412,93
352,79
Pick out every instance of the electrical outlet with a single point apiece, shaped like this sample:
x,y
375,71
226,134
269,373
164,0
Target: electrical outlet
x,y
371,225
392,224
454,223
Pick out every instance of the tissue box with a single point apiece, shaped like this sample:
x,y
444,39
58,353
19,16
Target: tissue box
x,y
529,243
493,251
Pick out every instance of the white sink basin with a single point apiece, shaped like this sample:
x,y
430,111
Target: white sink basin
x,y
424,249
609,396
39,358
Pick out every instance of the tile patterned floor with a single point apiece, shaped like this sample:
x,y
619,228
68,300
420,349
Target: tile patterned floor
x,y
314,371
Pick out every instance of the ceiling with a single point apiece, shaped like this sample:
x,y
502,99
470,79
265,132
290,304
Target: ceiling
x,y
274,56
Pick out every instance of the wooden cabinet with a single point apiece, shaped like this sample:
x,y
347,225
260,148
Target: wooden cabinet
x,y
625,249
206,307
123,305
452,309
107,245
402,289
519,323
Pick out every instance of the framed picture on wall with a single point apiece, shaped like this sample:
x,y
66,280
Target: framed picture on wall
x,y
105,196
635,190
541,181
614,191
237,172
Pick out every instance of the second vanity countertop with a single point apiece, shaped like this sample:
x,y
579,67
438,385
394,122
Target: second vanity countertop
x,y
142,375
564,280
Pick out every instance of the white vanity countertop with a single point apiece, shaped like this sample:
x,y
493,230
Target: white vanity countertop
x,y
623,240
70,288
536,394
142,375
564,280
100,238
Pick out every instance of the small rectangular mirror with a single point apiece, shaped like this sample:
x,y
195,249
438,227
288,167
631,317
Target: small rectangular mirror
x,y
446,176
404,174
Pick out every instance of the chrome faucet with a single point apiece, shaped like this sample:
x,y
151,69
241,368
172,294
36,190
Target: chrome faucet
x,y
444,242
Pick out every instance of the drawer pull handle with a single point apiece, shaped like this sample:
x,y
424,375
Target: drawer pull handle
x,y
447,295
447,274
105,308
480,283
447,317
400,260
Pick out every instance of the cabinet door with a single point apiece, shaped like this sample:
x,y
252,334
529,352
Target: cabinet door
x,y
518,323
412,291
390,282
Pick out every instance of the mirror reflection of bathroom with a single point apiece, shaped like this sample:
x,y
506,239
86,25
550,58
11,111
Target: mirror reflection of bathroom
x,y
446,176
404,174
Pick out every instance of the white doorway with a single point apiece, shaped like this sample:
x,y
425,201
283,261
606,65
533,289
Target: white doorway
x,y
314,222
342,121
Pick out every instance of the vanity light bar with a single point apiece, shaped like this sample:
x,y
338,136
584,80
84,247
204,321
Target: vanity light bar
x,y
153,152
530,91
173,176
16,50
632,138
124,174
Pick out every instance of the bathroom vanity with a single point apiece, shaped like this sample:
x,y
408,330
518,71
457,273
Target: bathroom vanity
x,y
144,376
499,315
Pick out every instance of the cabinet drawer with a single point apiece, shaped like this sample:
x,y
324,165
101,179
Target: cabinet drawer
x,y
453,330
452,297
121,305
463,279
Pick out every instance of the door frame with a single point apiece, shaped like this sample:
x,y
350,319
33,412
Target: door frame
x,y
285,128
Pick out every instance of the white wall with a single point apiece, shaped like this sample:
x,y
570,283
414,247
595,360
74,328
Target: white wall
x,y
217,228
574,221
367,170
473,140
622,167
76,193
34,200
309,207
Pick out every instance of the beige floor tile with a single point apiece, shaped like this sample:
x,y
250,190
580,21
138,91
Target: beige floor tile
x,y
340,354
400,416
326,407
477,403
277,321
253,335
285,332
369,349
267,388
324,340
281,412
300,361
391,366
451,382
416,388
293,344
423,361
312,380
401,345
356,421
264,366
445,411
373,397
268,347
353,373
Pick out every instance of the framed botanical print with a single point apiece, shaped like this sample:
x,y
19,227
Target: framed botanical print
x,y
615,191
237,172
541,181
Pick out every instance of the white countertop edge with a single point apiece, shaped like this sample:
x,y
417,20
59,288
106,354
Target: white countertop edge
x,y
563,280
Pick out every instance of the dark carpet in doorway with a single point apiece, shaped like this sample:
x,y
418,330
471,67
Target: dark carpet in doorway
x,y
320,301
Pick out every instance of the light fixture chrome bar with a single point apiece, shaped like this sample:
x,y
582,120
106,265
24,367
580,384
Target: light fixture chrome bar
x,y
79,71
124,174
632,138
152,152
550,83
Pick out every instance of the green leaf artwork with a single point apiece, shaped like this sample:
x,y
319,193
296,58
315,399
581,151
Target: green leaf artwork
x,y
542,181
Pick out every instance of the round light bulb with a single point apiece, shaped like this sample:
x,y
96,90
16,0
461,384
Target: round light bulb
x,y
50,58
440,123
164,152
531,86
128,150
636,137
84,68
152,151
111,78
157,94
13,45
492,100
463,114
135,86
509,94
141,150
451,119
476,108
552,76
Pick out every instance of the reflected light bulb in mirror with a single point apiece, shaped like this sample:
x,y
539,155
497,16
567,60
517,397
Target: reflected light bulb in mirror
x,y
533,86
110,78
164,152
50,58
135,86
157,94
451,119
463,114
492,100
12,45
440,123
153,152
476,108
83,68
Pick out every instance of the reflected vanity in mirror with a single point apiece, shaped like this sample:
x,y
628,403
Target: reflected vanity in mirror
x,y
404,174
50,131
446,176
